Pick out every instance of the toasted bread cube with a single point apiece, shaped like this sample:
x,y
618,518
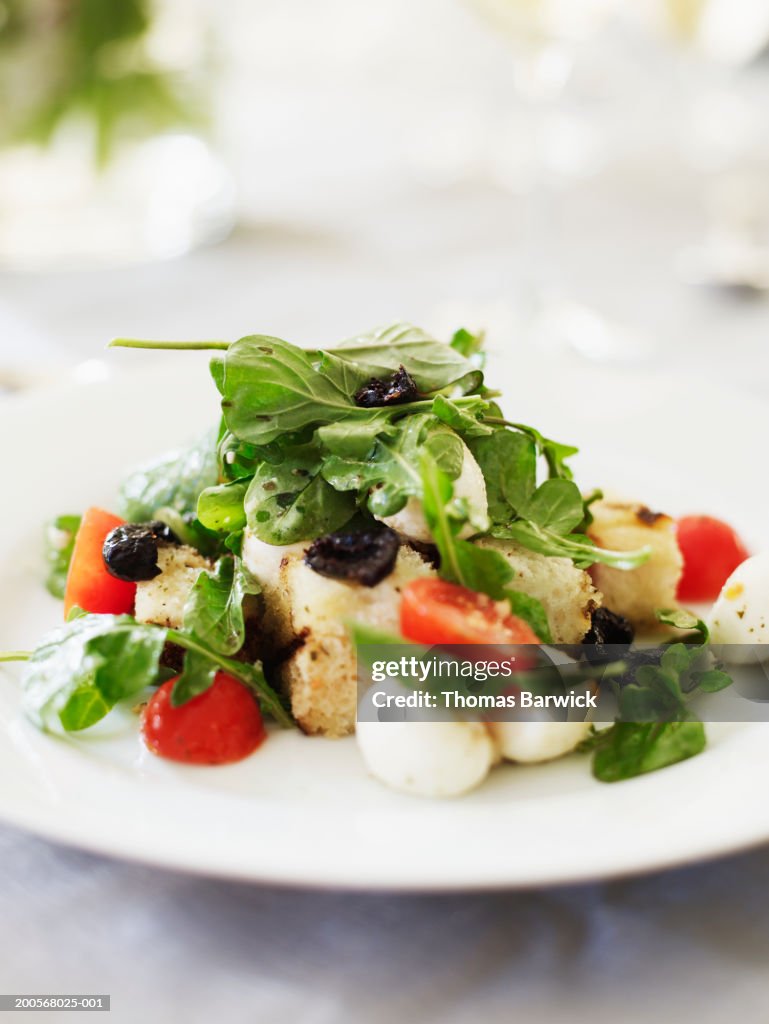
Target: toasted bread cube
x,y
566,592
636,593
162,599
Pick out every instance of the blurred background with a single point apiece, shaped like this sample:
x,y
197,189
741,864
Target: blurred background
x,y
586,178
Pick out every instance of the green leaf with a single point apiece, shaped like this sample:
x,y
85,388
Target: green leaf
x,y
353,439
629,749
214,608
680,618
466,420
175,480
292,501
580,549
713,680
466,343
220,508
481,569
555,505
59,541
433,365
508,461
82,669
554,453
390,475
197,676
271,387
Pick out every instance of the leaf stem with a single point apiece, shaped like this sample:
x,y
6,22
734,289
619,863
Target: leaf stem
x,y
172,346
15,655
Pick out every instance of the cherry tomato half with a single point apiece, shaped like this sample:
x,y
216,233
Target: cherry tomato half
x,y
220,725
437,612
712,551
89,585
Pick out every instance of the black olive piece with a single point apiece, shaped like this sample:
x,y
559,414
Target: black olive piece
x,y
427,552
394,390
130,552
607,627
366,557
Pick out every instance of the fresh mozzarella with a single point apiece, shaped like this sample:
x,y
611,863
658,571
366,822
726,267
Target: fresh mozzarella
x,y
470,485
425,758
741,613
264,560
532,741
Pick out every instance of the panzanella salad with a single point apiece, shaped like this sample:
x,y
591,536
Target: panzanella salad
x,y
374,489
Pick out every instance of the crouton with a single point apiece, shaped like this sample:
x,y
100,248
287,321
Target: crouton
x,y
305,614
566,592
636,593
162,599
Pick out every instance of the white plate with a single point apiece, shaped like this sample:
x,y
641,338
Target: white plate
x,y
303,811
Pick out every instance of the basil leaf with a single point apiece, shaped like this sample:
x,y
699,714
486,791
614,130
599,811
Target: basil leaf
x,y
292,501
629,749
466,420
197,676
220,508
175,480
82,669
271,387
352,439
433,365
59,542
214,608
508,461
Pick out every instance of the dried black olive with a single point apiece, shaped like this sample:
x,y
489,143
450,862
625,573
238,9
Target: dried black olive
x,y
365,557
130,552
607,627
394,390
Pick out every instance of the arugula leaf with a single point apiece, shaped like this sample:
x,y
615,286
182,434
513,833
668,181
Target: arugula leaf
x,y
220,508
555,505
390,475
59,541
214,609
270,387
480,569
579,548
175,480
82,669
197,676
629,749
508,461
466,420
554,453
353,439
292,501
433,365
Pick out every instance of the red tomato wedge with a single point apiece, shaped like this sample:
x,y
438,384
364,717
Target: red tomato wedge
x,y
220,725
89,585
712,550
436,612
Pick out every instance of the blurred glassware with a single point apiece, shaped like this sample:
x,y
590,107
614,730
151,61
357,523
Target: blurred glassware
x,y
102,150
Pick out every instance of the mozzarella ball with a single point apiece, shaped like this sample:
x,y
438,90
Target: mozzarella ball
x,y
741,612
533,741
410,520
433,759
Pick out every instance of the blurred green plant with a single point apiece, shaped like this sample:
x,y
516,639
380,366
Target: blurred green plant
x,y
63,59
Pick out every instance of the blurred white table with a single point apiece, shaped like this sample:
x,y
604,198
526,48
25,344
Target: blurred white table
x,y
690,944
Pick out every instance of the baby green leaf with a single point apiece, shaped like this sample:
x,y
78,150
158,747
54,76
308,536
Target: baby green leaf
x,y
59,542
214,608
175,480
220,508
629,749
292,501
82,669
465,420
508,461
